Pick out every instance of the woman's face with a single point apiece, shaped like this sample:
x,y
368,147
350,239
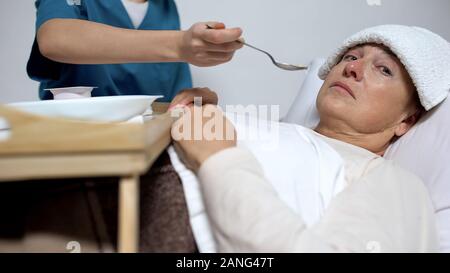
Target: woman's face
x,y
367,92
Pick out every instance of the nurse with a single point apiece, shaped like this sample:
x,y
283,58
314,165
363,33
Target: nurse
x,y
123,47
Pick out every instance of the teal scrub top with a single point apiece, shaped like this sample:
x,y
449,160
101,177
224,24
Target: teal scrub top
x,y
165,79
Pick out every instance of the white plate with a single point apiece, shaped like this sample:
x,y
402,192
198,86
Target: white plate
x,y
110,109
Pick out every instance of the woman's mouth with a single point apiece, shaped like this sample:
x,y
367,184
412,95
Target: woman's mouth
x,y
343,87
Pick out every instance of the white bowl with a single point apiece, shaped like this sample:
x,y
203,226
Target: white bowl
x,y
110,109
75,92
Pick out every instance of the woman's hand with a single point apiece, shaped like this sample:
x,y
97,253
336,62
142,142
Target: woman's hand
x,y
201,46
186,97
200,133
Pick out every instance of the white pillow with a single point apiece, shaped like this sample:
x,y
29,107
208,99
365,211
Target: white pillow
x,y
303,111
424,150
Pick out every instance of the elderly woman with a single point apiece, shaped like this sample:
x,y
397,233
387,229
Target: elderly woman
x,y
376,87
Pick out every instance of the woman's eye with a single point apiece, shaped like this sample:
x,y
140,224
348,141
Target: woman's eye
x,y
349,57
386,71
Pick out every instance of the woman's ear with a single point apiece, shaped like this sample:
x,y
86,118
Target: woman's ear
x,y
407,123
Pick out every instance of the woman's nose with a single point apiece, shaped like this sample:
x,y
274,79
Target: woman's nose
x,y
354,69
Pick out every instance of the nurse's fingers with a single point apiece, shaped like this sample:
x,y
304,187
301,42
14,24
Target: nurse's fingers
x,y
218,35
226,47
221,36
219,57
215,25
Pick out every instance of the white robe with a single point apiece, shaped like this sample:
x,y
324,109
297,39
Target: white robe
x,y
326,196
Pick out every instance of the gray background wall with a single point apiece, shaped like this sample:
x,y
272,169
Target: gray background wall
x,y
294,31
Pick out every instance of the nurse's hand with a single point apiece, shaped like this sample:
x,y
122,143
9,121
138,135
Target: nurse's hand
x,y
200,133
202,47
187,96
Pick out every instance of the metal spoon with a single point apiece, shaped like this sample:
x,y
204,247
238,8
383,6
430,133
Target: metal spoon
x,y
285,66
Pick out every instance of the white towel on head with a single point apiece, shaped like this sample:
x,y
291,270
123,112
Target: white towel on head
x,y
425,55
